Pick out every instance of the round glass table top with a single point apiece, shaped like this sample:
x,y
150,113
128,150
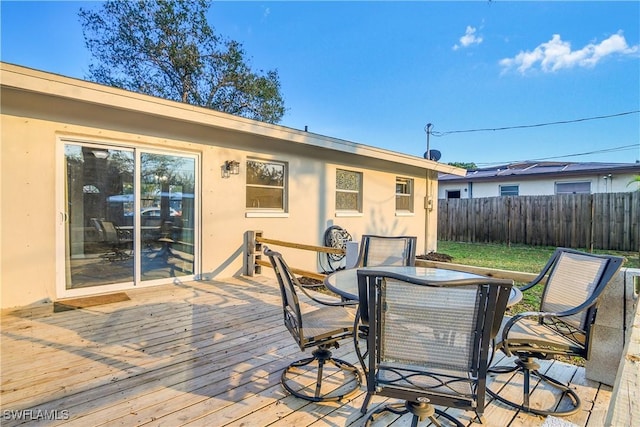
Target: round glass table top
x,y
345,282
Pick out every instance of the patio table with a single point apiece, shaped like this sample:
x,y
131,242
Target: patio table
x,y
345,282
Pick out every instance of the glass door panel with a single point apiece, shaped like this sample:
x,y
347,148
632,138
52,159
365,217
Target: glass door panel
x,y
99,203
167,215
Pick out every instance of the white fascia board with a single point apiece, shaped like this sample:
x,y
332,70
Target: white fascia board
x,y
80,90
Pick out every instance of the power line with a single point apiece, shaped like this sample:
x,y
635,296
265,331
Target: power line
x,y
607,150
535,125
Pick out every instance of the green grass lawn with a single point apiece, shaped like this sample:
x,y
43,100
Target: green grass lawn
x,y
528,259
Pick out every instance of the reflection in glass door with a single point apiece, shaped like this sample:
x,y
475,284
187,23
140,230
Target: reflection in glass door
x,y
130,216
99,194
167,184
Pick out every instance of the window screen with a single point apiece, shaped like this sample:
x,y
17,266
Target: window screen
x,y
573,187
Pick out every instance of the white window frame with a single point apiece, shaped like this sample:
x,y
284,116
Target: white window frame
x,y
258,212
447,192
409,184
503,186
568,183
350,212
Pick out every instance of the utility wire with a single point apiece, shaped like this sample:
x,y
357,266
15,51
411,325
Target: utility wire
x,y
607,150
535,125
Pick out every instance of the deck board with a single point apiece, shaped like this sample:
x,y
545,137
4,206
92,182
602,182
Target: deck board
x,y
198,354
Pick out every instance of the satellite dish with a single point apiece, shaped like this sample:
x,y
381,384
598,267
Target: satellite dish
x,y
434,155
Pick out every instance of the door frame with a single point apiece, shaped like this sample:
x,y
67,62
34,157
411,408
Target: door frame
x,y
62,216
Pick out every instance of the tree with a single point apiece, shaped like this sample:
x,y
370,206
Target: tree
x,y
463,165
166,48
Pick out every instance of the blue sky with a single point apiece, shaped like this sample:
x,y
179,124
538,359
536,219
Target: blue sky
x,y
377,72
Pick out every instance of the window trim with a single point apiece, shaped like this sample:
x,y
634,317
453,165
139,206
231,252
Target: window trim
x,y
555,186
359,192
501,186
410,196
448,192
256,212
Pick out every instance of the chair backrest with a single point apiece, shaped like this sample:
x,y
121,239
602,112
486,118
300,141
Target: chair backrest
x,y
387,250
575,281
290,302
110,232
107,231
431,339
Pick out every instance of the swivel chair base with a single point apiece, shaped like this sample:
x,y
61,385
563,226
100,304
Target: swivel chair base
x,y
322,357
530,367
420,411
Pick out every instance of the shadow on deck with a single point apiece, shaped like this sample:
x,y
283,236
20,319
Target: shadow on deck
x,y
197,353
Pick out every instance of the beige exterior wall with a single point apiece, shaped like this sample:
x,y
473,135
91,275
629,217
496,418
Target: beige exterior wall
x,y
39,111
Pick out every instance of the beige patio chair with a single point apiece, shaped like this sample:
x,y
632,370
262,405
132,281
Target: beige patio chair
x,y
560,327
323,325
387,250
429,341
376,251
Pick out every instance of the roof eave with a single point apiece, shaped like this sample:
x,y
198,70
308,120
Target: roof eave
x,y
31,80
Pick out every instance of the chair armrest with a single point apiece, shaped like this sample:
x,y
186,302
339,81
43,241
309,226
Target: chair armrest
x,y
539,278
333,303
520,316
565,329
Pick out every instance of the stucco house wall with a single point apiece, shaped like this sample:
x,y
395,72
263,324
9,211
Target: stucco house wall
x,y
42,111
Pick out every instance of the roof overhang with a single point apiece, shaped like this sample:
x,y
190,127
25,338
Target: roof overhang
x,y
46,90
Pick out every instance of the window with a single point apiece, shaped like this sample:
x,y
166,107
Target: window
x,y
509,190
404,194
573,187
348,191
453,194
266,185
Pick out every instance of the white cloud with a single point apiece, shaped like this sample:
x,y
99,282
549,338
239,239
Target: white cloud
x,y
556,54
468,39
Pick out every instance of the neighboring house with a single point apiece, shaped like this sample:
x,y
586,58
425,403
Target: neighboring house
x,y
105,189
540,178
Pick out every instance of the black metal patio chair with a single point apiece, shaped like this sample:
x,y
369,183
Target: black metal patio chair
x,y
374,252
324,326
561,326
429,341
387,250
118,240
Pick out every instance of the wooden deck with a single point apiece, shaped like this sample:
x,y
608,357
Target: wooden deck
x,y
204,353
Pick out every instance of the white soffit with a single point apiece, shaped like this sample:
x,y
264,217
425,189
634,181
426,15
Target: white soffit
x,y
65,87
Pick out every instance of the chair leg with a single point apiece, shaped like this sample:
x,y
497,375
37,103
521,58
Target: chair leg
x,y
530,367
365,404
360,332
319,378
322,357
419,410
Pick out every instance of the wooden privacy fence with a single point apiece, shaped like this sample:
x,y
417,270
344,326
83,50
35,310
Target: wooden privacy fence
x,y
608,221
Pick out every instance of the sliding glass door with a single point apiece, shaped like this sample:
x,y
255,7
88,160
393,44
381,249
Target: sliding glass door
x,y
130,216
167,215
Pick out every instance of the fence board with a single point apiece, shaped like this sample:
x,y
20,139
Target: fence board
x,y
608,221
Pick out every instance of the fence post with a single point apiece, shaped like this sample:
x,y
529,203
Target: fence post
x,y
252,253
